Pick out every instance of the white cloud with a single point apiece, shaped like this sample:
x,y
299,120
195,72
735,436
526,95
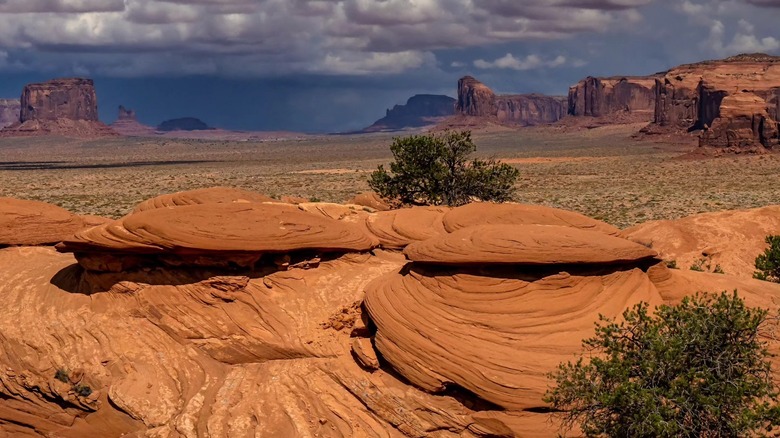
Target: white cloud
x,y
530,62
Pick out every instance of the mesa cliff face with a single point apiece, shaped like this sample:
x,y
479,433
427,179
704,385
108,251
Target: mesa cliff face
x,y
420,110
475,99
60,106
9,112
736,101
599,97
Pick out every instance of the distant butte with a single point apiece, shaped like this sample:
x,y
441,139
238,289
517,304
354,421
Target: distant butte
x,y
9,112
475,99
127,124
183,124
420,110
735,102
65,107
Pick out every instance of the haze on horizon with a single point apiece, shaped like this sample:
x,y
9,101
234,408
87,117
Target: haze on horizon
x,y
336,65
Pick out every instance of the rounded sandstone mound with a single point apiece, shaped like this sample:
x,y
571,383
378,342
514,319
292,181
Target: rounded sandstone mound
x,y
221,228
484,213
211,195
526,245
397,228
729,239
497,337
25,222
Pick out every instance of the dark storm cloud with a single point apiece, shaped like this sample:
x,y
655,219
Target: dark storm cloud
x,y
60,6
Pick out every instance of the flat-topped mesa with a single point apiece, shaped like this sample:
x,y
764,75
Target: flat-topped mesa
x,y
736,101
475,99
601,97
71,98
419,110
9,112
60,107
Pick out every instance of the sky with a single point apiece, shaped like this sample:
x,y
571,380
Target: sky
x,y
336,65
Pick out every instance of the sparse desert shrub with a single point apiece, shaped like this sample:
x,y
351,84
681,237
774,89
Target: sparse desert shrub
x,y
768,263
434,169
698,265
82,390
718,270
62,375
671,264
697,369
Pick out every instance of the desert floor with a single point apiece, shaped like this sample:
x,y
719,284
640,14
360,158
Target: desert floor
x,y
603,172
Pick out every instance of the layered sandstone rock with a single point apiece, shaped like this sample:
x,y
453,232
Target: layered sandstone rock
x,y
729,239
475,99
28,223
127,124
420,110
9,112
484,213
633,96
735,100
397,228
207,349
210,195
60,106
214,234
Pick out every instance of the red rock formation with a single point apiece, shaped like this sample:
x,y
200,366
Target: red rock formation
x,y
61,107
28,223
601,97
475,99
735,100
126,124
9,112
214,350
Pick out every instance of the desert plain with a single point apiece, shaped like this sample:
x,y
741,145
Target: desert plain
x,y
604,172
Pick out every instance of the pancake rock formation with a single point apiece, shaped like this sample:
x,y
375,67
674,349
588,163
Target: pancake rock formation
x,y
475,99
729,239
420,110
61,107
167,324
31,223
210,195
632,97
736,101
127,124
9,112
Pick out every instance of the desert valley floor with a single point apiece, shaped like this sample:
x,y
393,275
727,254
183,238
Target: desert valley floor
x,y
603,173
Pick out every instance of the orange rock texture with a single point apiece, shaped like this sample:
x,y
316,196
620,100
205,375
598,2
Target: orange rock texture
x,y
475,99
234,318
735,100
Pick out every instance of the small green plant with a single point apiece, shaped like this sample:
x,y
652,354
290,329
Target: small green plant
x,y
718,270
82,390
435,169
698,265
62,375
671,264
768,263
696,369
